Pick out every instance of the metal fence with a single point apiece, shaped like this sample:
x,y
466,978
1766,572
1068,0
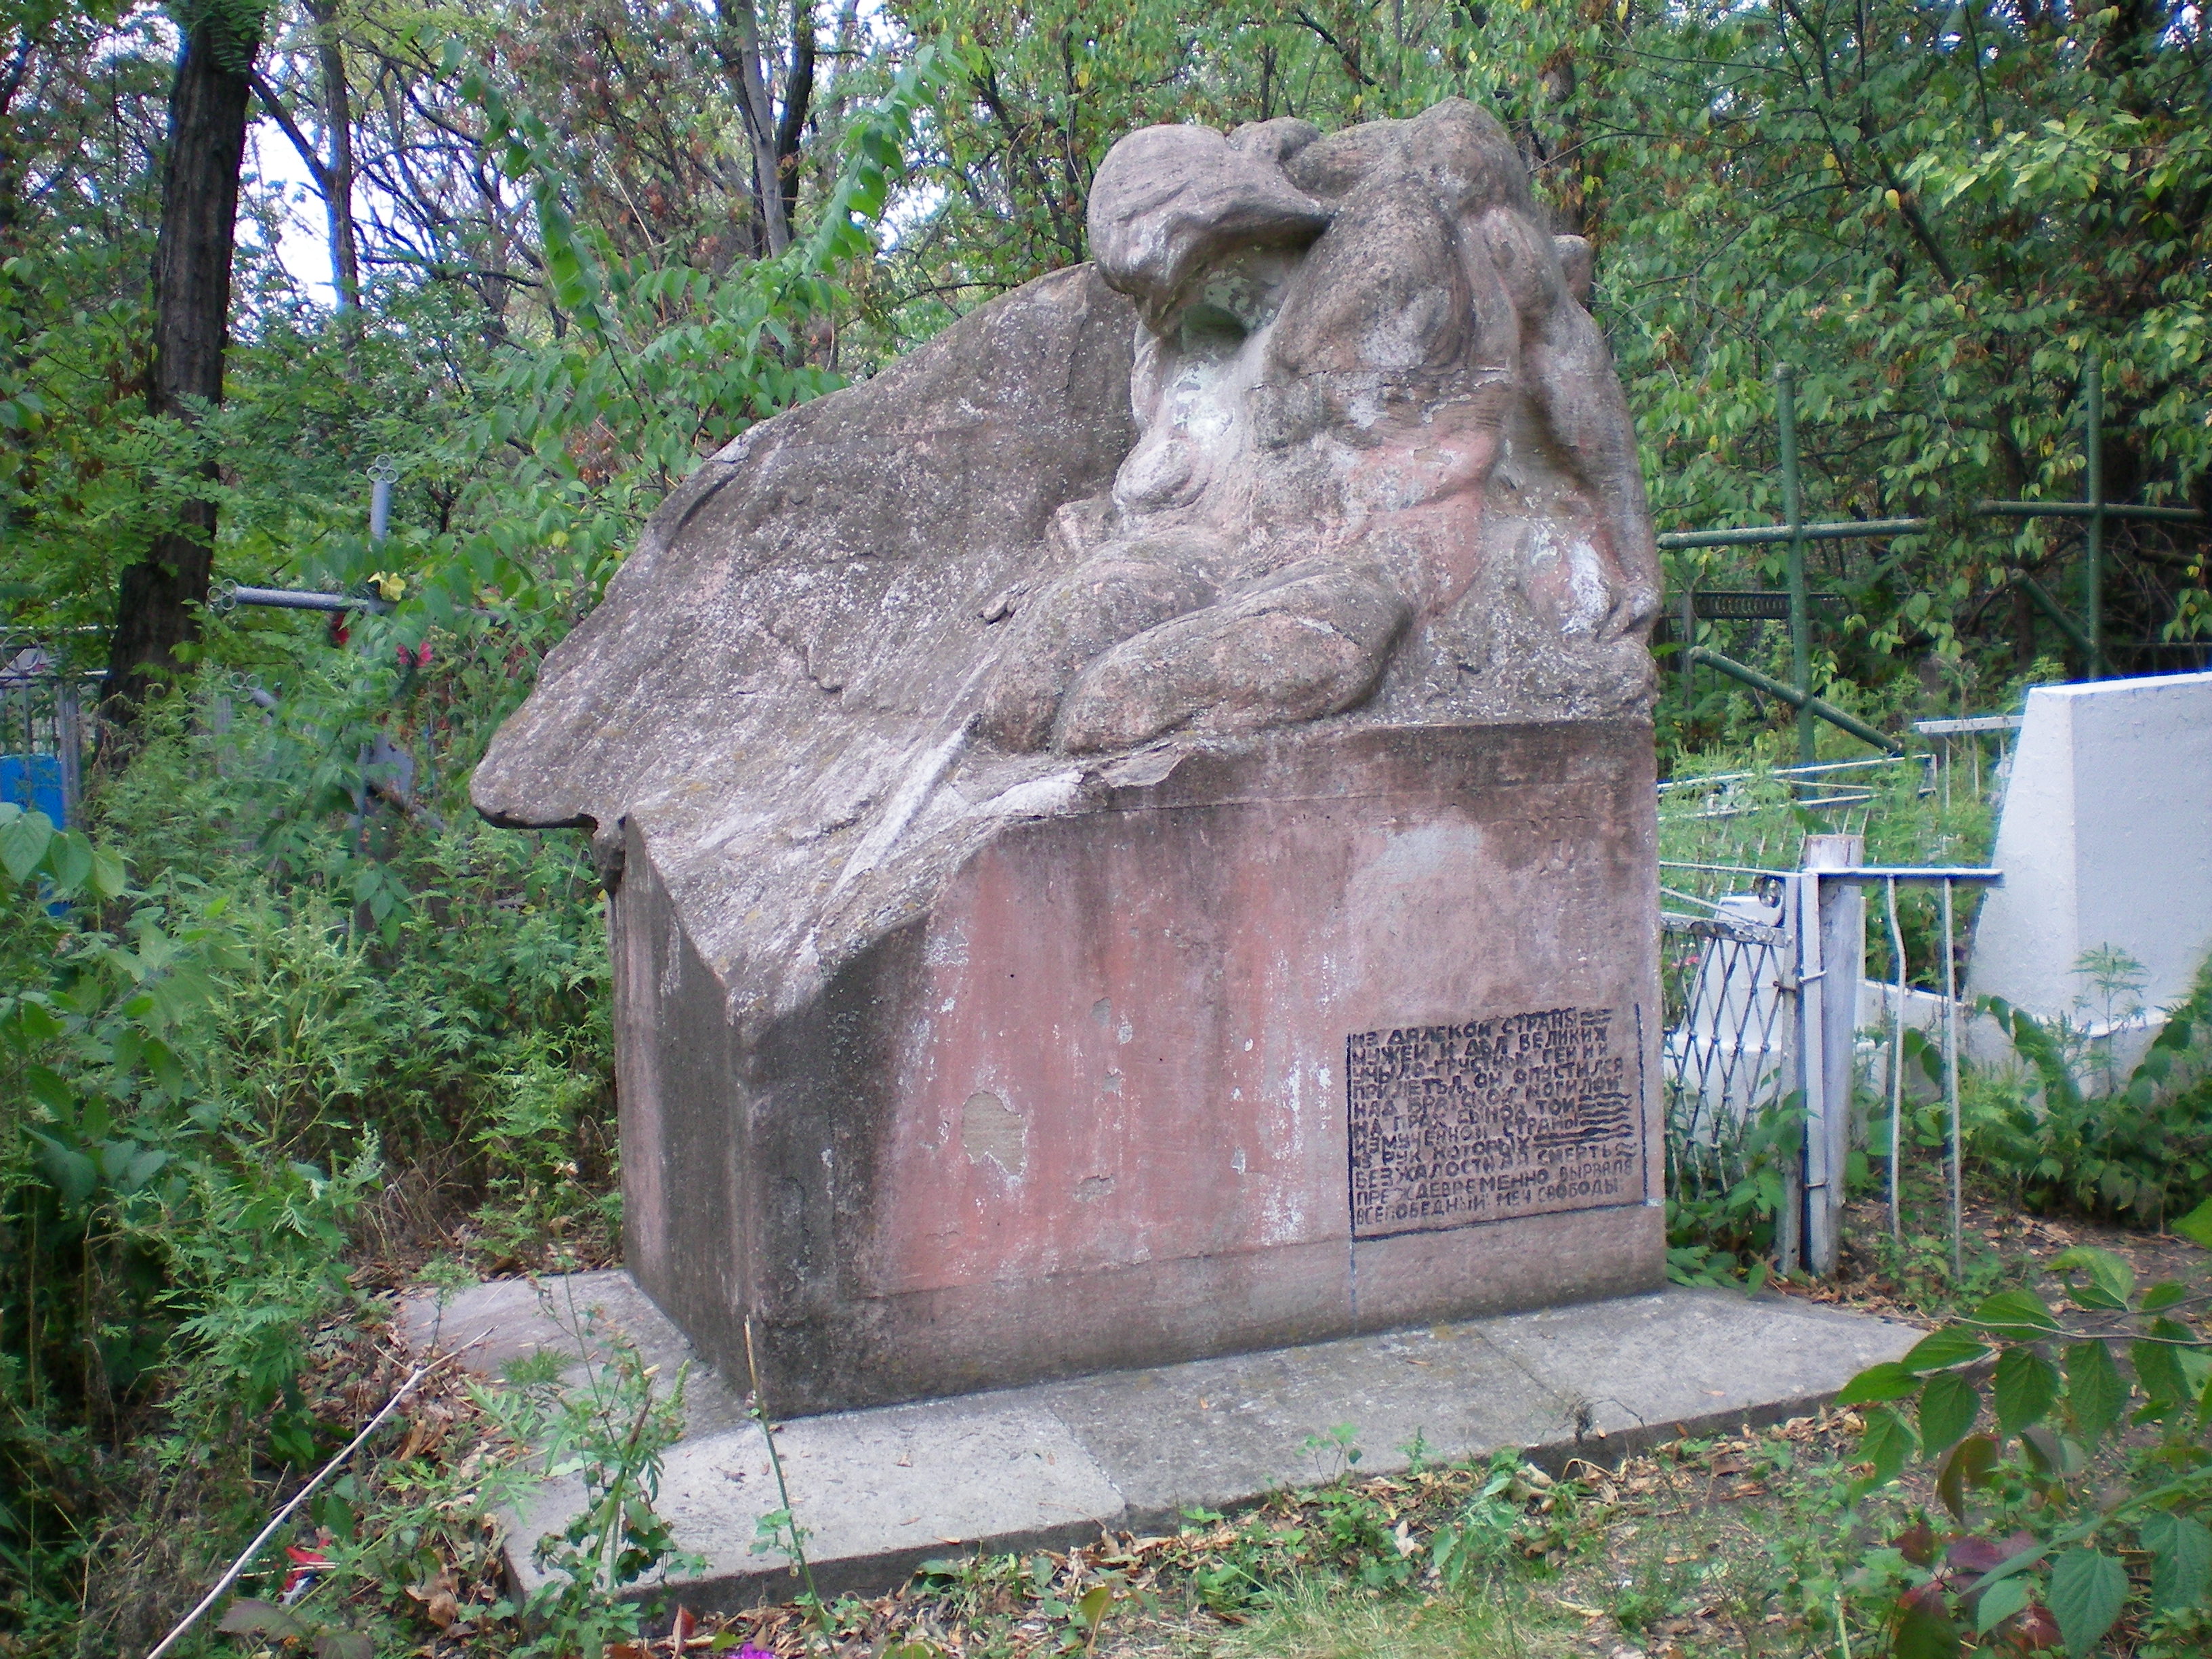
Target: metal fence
x,y
1800,607
1731,1017
1720,822
43,730
1972,755
1763,951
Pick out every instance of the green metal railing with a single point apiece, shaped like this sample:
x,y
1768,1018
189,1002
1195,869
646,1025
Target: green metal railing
x,y
2086,634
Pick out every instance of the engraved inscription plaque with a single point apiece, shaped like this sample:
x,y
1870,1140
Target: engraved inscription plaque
x,y
1523,1114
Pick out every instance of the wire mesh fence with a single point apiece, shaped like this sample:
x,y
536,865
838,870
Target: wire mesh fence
x,y
1730,1018
1811,930
1756,822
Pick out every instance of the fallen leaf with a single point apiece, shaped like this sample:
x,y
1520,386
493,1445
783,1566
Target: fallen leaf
x,y
441,1606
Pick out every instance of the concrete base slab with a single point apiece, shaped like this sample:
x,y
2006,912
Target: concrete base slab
x,y
884,1490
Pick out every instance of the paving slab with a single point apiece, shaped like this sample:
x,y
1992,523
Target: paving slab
x,y
884,1490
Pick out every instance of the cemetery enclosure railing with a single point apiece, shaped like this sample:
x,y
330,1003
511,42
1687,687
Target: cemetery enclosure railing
x,y
1796,606
1761,974
44,731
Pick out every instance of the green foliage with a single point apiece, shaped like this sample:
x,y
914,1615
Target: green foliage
x,y
2138,1149
155,1243
1935,300
1917,1268
1725,1192
542,1132
1337,1450
1515,1516
2098,1444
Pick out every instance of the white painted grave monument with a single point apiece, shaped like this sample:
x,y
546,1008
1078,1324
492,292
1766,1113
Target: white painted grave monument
x,y
2105,841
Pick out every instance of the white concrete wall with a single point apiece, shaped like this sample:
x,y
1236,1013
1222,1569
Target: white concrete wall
x,y
2105,839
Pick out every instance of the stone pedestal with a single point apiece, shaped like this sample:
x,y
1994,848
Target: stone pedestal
x,y
2105,839
1321,1036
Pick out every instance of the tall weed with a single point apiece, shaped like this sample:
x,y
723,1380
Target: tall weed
x,y
2137,1149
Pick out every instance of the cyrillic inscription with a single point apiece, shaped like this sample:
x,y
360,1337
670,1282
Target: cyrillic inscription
x,y
1519,1115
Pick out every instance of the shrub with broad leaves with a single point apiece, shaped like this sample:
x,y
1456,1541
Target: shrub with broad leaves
x,y
2073,1457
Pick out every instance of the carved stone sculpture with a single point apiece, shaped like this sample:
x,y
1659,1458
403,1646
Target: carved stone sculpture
x,y
1369,406
1131,832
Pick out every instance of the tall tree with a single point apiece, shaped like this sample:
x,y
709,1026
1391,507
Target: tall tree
x,y
157,598
332,174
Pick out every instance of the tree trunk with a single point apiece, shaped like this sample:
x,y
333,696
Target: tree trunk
x,y
754,104
798,94
336,182
11,158
158,597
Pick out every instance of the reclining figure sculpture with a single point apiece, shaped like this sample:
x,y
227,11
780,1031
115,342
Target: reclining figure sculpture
x,y
1368,401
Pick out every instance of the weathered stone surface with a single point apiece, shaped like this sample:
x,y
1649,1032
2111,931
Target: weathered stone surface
x,y
1389,469
1055,790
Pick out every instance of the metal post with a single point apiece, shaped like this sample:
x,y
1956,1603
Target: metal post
x,y
2093,552
1796,699
1828,1005
69,748
1896,1069
1689,651
1808,1072
382,473
1793,509
2057,612
1951,1082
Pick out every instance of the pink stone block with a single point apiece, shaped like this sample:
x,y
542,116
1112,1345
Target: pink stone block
x,y
1313,1036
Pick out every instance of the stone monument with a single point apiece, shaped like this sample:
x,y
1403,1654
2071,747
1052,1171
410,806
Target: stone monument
x,y
1131,833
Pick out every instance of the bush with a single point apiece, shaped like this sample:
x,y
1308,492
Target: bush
x,y
2139,1150
2068,1510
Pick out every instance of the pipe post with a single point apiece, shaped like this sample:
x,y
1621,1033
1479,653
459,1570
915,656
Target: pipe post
x,y
1793,509
1689,653
2093,552
382,473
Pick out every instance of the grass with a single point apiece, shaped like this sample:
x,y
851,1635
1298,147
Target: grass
x,y
1316,1619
